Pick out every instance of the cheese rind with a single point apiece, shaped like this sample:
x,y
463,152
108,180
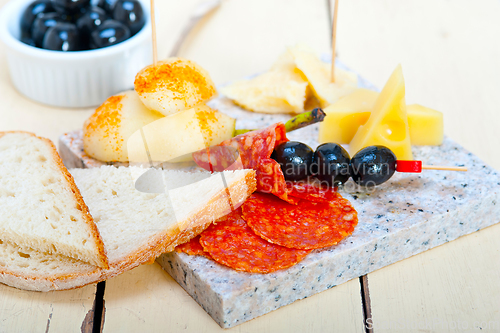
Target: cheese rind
x,y
388,121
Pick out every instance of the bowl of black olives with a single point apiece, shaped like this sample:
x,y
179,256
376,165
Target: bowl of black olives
x,y
75,53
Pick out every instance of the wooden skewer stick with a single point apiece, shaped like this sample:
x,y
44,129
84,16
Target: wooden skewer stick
x,y
416,166
437,167
334,36
153,31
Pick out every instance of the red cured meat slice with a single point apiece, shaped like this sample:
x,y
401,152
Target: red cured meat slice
x,y
193,248
255,149
312,191
307,225
232,243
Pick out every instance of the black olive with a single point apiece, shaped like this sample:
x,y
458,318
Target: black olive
x,y
28,40
107,5
70,6
109,33
373,165
332,164
62,37
295,159
91,20
75,16
41,24
130,13
30,13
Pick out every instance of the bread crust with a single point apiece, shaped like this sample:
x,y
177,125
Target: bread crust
x,y
102,257
160,243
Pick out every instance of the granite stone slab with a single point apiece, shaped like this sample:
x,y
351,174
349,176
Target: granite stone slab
x,y
407,215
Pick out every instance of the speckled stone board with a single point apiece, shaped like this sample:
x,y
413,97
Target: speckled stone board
x,y
407,215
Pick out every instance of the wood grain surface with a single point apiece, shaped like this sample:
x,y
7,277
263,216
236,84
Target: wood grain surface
x,y
148,299
57,311
449,51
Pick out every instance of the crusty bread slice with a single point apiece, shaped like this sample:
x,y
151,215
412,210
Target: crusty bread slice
x,y
41,206
135,226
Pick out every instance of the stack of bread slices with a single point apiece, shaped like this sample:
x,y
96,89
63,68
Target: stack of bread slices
x,y
63,229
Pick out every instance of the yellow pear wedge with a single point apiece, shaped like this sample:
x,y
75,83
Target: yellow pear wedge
x,y
388,122
175,137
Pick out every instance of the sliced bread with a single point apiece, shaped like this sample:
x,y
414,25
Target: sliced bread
x,y
41,206
135,226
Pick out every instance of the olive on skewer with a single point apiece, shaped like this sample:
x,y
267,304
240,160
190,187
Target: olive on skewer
x,y
295,159
330,163
373,165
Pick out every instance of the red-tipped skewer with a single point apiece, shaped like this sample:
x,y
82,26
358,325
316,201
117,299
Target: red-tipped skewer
x,y
416,166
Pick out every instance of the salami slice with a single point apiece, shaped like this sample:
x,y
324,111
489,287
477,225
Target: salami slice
x,y
193,248
255,149
312,191
232,243
307,225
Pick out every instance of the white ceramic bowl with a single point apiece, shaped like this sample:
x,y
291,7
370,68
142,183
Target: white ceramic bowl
x,y
72,79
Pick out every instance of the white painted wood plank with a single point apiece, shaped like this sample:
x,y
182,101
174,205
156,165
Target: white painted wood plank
x,y
245,37
239,39
451,64
147,299
454,287
59,311
439,43
449,53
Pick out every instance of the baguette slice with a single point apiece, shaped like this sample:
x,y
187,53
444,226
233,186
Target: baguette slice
x,y
41,206
136,227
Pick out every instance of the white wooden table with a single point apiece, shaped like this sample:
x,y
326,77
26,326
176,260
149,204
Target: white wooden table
x,y
450,54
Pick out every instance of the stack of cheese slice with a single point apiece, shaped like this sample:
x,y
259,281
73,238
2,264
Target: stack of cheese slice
x,y
50,241
287,87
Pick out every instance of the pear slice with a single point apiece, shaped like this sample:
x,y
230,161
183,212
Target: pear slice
x,y
174,138
106,131
174,85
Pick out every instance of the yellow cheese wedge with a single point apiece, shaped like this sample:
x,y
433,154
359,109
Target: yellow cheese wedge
x,y
426,125
388,121
344,117
318,74
352,111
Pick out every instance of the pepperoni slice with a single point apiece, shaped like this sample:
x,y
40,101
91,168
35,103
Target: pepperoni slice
x,y
232,243
312,191
254,149
193,248
308,225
